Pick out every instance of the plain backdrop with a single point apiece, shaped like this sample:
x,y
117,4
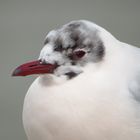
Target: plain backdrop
x,y
23,26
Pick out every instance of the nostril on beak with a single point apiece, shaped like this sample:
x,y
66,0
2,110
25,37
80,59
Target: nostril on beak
x,y
42,61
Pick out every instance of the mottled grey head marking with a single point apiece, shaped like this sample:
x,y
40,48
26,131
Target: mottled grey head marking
x,y
77,35
63,42
46,41
82,37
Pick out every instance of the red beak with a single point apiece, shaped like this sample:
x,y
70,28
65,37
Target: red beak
x,y
34,67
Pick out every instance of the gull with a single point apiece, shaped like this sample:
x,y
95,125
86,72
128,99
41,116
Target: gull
x,y
88,86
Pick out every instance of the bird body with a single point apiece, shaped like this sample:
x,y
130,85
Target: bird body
x,y
95,105
102,102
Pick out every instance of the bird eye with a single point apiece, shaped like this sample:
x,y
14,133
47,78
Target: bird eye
x,y
79,53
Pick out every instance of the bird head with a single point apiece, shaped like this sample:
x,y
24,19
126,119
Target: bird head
x,y
66,51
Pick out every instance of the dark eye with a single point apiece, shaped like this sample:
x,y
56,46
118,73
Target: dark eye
x,y
59,48
79,53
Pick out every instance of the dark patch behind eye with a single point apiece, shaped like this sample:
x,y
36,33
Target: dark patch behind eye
x,y
59,49
71,74
100,50
58,44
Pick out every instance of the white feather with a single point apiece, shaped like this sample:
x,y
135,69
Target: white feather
x,y
98,104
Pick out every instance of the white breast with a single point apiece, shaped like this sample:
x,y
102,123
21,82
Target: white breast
x,y
93,106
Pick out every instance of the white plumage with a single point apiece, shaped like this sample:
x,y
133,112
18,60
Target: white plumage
x,y
102,102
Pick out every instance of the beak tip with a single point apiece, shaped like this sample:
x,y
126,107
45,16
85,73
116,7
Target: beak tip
x,y
16,72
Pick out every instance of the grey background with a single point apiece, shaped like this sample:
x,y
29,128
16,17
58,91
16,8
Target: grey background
x,y
23,26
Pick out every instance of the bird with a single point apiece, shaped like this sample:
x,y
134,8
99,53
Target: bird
x,y
88,86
